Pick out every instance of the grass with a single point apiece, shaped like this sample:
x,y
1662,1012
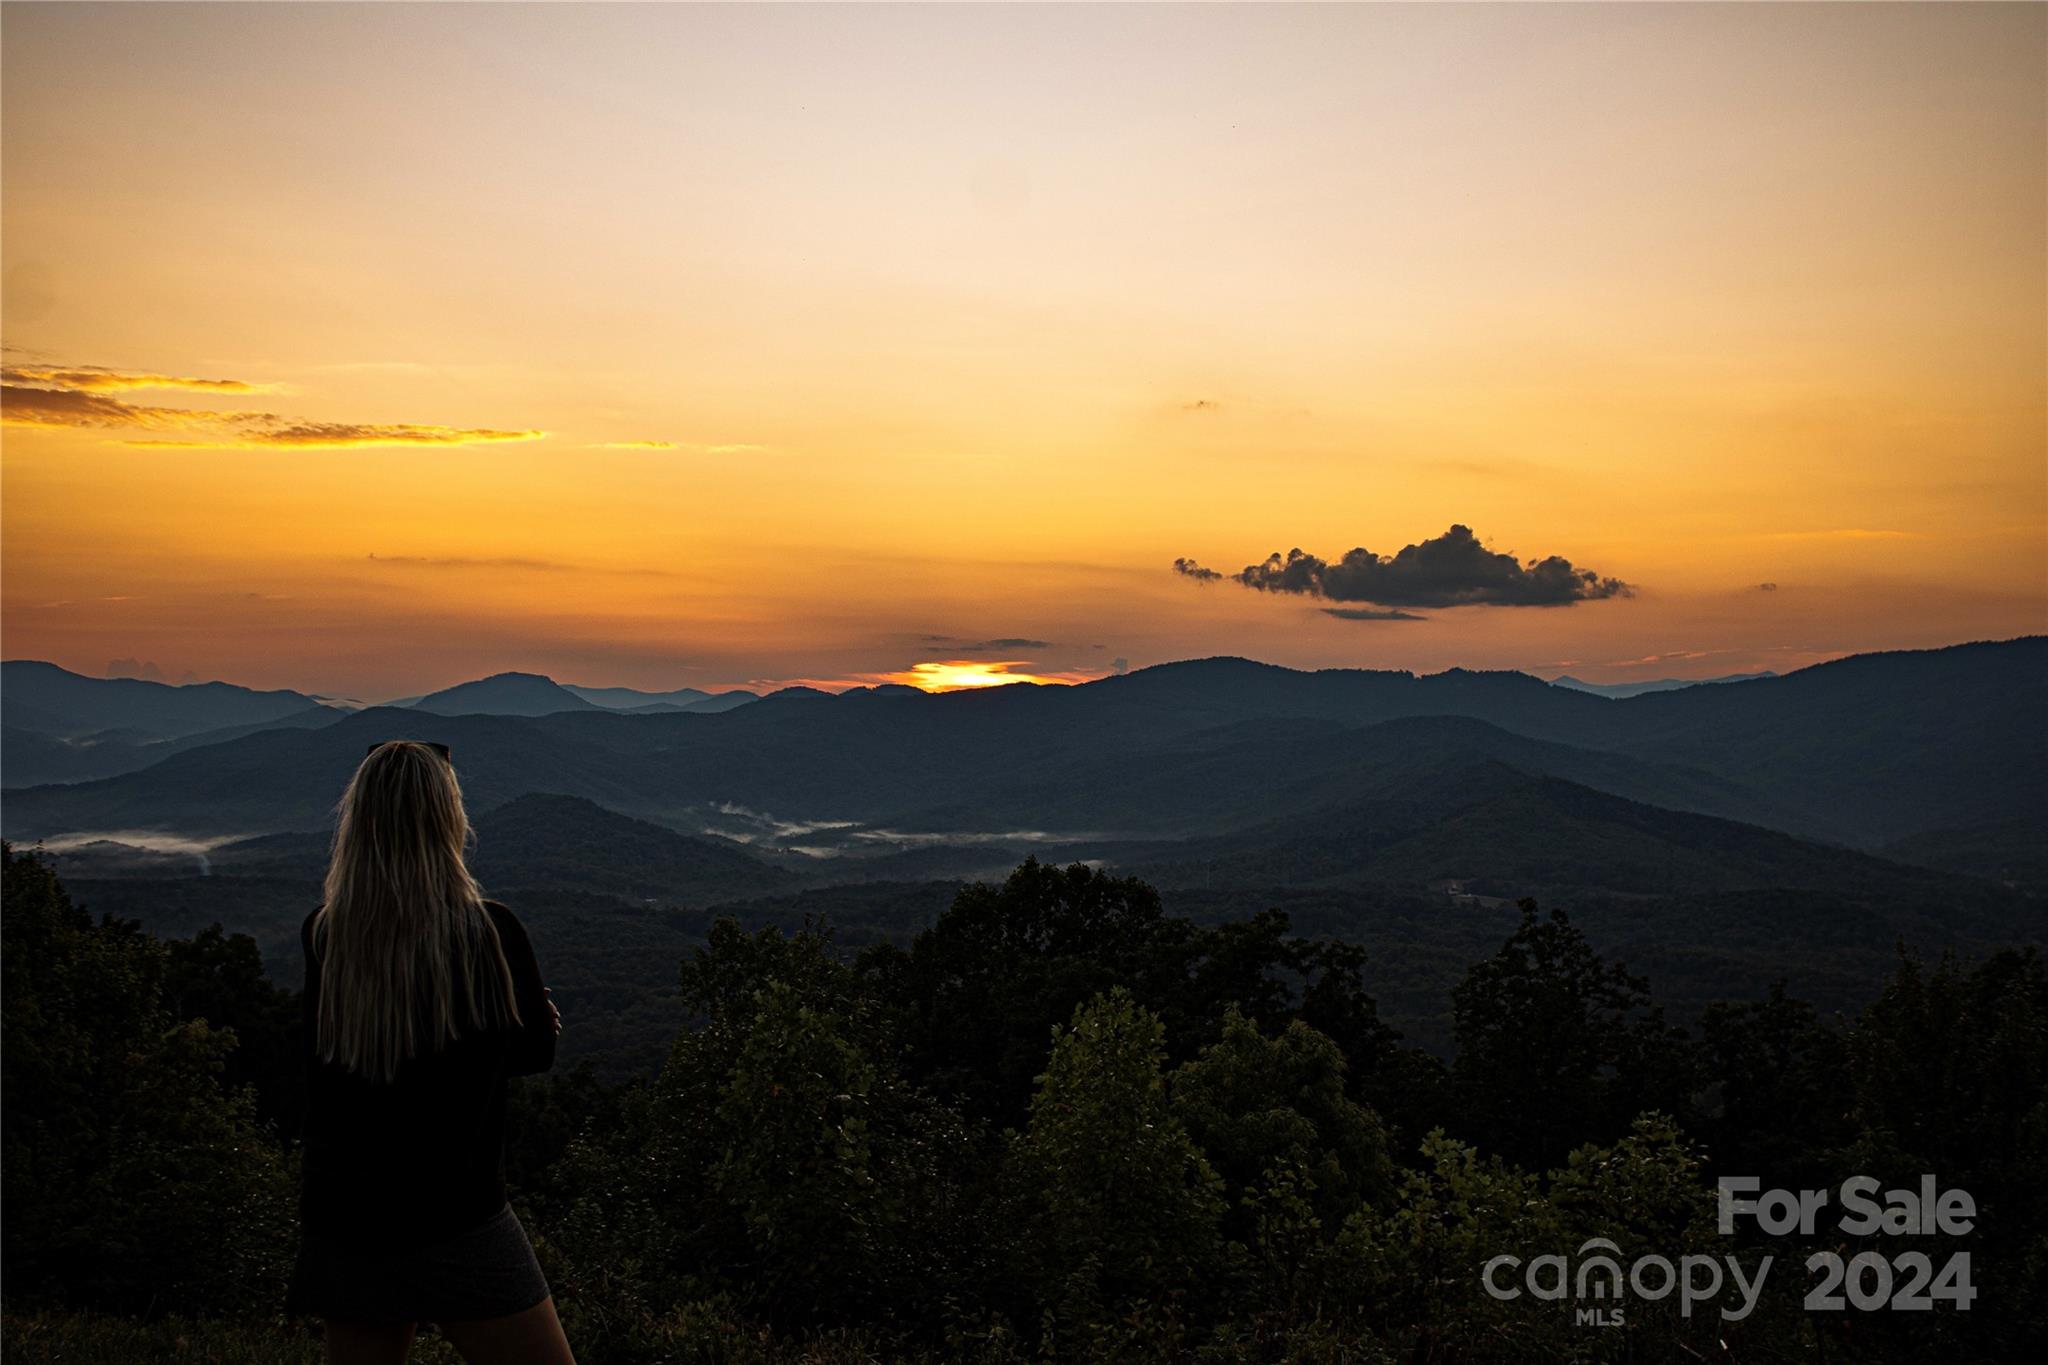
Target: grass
x,y
95,1339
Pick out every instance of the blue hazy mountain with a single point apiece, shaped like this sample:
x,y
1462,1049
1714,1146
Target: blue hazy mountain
x,y
1863,751
44,699
504,694
1637,689
632,698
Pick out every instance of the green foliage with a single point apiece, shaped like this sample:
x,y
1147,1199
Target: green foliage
x,y
1210,1158
1416,1265
1555,1044
977,991
779,1160
218,977
1273,1116
1112,1203
132,1180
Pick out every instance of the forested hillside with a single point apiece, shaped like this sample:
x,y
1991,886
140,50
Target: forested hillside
x,y
1058,1123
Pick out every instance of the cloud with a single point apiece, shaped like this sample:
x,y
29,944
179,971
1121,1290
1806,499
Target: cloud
x,y
509,562
1840,533
99,379
1767,587
348,435
728,448
25,405
1452,570
145,669
1682,655
1371,614
79,396
1002,644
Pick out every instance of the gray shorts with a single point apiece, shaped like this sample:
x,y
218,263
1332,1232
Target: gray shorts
x,y
487,1271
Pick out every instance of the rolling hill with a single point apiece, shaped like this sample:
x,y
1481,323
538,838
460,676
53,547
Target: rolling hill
x,y
54,702
503,694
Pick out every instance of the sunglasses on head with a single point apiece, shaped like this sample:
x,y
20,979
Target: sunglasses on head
x,y
440,749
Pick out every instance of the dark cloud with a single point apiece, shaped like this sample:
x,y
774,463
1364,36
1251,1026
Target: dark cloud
x,y
1001,644
1452,570
1371,614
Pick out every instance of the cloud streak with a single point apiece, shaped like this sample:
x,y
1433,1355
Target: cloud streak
x,y
99,379
1451,570
1002,644
81,397
509,562
1372,614
23,405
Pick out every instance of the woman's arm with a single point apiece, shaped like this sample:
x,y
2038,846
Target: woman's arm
x,y
533,1042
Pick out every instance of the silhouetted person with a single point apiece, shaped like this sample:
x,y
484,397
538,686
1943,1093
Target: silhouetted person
x,y
421,999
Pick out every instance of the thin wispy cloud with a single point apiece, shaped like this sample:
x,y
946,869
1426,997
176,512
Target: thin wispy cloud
x,y
340,435
1372,614
24,405
724,448
1840,533
81,397
511,562
1001,644
99,379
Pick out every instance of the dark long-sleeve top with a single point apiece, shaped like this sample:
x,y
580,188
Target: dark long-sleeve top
x,y
404,1163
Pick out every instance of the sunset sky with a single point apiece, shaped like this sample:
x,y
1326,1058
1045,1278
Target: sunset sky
x,y
367,349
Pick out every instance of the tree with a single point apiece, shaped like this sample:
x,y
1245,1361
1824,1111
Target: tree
x,y
131,1179
1777,1078
1113,1204
218,977
779,1161
1259,1106
1555,1045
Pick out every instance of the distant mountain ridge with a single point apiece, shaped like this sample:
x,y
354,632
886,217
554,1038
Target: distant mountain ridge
x,y
48,700
504,694
1637,689
1862,751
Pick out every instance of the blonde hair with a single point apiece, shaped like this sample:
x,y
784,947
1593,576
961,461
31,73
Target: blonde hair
x,y
410,957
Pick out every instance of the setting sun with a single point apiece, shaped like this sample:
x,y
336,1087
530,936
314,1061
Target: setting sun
x,y
950,675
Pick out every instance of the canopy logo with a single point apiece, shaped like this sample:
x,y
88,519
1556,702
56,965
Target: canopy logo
x,y
1595,1278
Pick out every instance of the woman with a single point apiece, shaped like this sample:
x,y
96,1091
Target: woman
x,y
421,998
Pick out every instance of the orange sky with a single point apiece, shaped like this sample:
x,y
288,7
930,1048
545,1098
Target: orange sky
x,y
699,346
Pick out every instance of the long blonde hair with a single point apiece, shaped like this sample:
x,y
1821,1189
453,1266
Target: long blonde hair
x,y
410,957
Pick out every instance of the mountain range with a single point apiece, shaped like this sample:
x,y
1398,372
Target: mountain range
x,y
1795,825
1863,752
1636,689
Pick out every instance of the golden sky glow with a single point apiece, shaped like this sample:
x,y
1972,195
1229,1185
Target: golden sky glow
x,y
370,348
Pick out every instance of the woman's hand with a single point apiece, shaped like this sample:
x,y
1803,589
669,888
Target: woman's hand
x,y
554,1014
